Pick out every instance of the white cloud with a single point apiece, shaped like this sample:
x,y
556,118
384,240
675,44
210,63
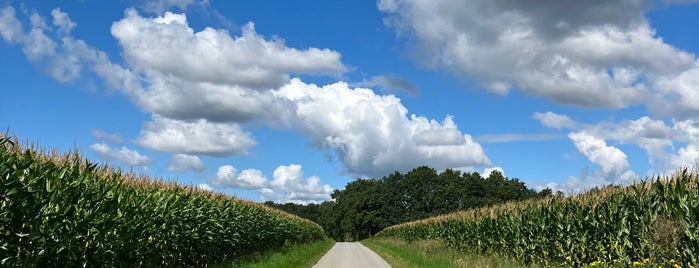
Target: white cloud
x,y
184,162
199,97
266,194
282,174
586,53
613,164
687,156
37,45
227,176
554,120
100,134
668,148
372,134
213,56
651,135
174,98
288,184
290,179
124,155
195,137
62,60
62,21
220,77
10,26
681,93
654,136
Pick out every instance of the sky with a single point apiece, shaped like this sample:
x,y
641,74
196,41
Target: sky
x,y
289,100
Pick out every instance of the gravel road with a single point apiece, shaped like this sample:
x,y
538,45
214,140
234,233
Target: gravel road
x,y
351,255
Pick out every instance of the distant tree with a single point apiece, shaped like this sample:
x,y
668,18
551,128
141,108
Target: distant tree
x,y
366,206
546,192
357,209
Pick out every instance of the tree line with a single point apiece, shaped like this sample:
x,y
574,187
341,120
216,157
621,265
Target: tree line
x,y
366,206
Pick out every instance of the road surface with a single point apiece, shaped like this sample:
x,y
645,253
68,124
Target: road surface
x,y
351,255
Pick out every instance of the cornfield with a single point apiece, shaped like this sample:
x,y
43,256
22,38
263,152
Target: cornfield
x,y
61,210
653,222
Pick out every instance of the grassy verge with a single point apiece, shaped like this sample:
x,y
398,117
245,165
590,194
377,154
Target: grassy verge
x,y
426,253
300,255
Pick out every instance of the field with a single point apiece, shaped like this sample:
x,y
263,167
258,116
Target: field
x,y
58,209
61,210
651,223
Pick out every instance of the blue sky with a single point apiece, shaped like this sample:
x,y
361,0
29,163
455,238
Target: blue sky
x,y
274,100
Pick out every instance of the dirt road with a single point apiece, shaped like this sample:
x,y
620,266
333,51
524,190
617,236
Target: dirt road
x,y
351,255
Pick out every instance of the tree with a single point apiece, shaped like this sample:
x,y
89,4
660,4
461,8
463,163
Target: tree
x,y
357,209
366,206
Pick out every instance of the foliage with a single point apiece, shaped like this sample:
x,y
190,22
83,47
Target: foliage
x,y
61,210
366,206
654,221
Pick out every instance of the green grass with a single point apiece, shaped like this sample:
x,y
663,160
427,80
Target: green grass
x,y
430,253
300,255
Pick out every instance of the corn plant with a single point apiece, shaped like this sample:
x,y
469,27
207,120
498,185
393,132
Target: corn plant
x,y
653,221
61,210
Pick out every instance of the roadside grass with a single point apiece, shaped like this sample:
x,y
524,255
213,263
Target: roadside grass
x,y
430,253
295,255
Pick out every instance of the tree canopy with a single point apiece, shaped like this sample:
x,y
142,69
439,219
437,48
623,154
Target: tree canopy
x,y
366,206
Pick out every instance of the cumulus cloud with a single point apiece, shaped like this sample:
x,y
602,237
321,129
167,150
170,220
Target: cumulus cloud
x,y
266,194
177,99
373,135
62,21
124,155
220,77
195,137
591,54
688,132
100,134
202,86
668,147
184,162
611,160
613,166
290,180
10,26
652,135
37,45
681,91
62,56
227,176
288,184
213,56
659,140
